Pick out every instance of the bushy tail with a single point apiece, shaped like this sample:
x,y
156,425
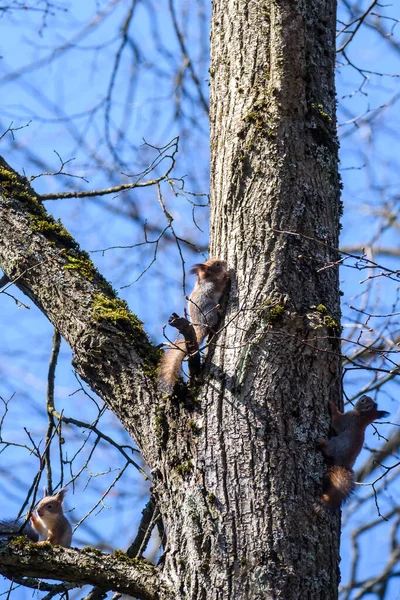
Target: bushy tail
x,y
338,486
170,366
13,527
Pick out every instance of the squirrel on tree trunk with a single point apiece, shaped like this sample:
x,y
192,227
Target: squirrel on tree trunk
x,y
212,277
342,450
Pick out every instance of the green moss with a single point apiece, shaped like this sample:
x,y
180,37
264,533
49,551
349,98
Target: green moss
x,y
115,311
76,259
161,425
122,557
194,427
20,542
185,468
18,187
322,309
53,230
134,562
106,307
326,320
274,314
257,120
330,322
82,265
211,498
112,310
321,111
92,551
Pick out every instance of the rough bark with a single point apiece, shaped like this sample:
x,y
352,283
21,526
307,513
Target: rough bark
x,y
119,573
275,213
236,472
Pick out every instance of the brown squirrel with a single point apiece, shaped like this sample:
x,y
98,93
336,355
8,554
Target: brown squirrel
x,y
212,277
342,450
51,524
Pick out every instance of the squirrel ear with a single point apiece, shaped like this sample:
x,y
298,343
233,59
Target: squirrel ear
x,y
382,413
61,494
44,492
195,270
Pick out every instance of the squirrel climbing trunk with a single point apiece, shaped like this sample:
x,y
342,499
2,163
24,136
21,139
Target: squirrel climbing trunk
x,y
342,450
212,277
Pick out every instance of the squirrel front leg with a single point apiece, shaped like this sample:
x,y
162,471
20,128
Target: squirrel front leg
x,y
338,419
39,526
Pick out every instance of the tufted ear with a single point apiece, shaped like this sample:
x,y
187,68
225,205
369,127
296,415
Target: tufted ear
x,y
199,268
61,494
44,492
382,413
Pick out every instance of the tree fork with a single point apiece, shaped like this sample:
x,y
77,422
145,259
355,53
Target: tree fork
x,y
237,480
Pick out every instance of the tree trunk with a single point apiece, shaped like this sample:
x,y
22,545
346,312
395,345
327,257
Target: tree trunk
x,y
250,523
235,466
275,217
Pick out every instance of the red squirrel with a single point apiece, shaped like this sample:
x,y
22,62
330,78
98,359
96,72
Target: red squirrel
x,y
342,450
51,525
212,277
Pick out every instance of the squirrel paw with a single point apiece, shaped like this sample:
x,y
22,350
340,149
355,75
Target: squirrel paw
x,y
323,447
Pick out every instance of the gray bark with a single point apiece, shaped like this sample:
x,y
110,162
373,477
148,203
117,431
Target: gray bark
x,y
274,169
119,573
236,473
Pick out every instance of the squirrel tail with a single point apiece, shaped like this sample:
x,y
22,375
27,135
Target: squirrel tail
x,y
16,527
338,486
170,366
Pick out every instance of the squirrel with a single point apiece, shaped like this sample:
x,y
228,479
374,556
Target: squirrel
x,y
342,450
212,277
51,525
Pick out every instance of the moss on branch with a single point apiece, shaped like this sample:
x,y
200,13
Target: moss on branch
x,y
88,566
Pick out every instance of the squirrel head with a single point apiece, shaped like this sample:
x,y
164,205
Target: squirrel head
x,y
212,268
50,507
368,409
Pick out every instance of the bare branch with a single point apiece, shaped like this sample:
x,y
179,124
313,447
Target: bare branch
x,y
150,515
99,327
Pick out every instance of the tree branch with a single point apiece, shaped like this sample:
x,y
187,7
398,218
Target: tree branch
x,y
116,572
150,514
112,352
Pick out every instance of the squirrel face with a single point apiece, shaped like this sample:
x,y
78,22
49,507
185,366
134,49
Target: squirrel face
x,y
215,268
48,510
50,507
367,409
